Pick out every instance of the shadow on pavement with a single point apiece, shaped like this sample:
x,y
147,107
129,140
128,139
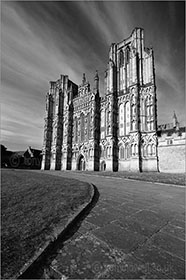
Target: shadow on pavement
x,y
36,270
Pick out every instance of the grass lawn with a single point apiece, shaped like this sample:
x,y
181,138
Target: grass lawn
x,y
168,178
32,206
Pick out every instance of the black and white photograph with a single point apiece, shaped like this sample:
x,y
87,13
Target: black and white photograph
x,y
93,139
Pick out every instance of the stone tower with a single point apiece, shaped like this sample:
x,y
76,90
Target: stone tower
x,y
58,124
128,108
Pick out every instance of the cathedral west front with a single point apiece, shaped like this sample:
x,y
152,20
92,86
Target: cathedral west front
x,y
115,131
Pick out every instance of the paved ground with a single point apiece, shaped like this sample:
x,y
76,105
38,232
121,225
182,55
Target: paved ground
x,y
135,231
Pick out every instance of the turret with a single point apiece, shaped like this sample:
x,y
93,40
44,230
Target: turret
x,y
175,121
96,81
84,79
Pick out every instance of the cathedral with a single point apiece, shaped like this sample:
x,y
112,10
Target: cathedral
x,y
115,131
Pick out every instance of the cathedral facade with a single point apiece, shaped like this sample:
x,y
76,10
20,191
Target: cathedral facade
x,y
115,131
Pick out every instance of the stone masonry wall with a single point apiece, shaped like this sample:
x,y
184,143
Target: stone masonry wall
x,y
172,158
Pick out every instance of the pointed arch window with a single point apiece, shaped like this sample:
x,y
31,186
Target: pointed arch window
x,y
102,124
107,152
108,122
127,54
149,150
143,114
88,125
133,125
144,149
82,127
153,149
102,151
127,151
122,152
76,130
127,118
121,119
121,58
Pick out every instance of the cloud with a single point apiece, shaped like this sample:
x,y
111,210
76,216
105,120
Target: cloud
x,y
164,72
41,40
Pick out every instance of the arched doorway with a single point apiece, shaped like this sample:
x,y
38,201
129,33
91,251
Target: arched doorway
x,y
81,163
103,165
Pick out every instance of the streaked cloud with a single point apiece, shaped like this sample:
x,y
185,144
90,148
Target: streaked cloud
x,y
41,40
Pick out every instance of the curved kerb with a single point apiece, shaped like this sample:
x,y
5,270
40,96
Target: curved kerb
x,y
34,268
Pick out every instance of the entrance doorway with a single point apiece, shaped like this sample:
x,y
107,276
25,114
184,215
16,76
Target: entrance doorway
x,y
81,163
103,165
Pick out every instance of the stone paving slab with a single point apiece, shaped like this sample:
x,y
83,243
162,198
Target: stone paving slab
x,y
123,211
173,230
134,225
135,231
140,204
149,217
178,223
161,260
119,237
170,244
101,218
115,203
79,258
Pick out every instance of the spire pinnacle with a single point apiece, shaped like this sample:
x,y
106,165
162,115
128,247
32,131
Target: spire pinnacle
x,y
175,120
84,79
96,76
96,81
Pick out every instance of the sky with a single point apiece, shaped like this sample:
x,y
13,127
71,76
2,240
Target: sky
x,y
42,40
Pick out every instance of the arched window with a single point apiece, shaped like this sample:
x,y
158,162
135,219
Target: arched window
x,y
76,129
121,119
127,118
102,151
149,150
153,149
109,117
135,149
88,125
102,124
133,125
151,110
121,152
127,151
133,110
108,114
121,58
107,152
110,151
148,111
82,127
145,113
91,152
127,53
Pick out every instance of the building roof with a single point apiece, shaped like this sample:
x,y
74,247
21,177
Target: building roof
x,y
162,129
